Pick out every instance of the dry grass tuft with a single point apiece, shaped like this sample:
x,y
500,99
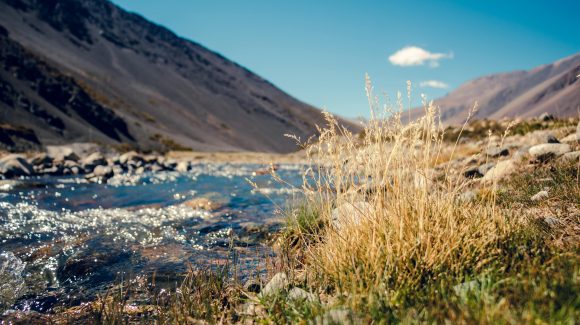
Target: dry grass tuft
x,y
394,225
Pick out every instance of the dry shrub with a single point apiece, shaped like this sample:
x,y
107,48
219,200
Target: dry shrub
x,y
413,227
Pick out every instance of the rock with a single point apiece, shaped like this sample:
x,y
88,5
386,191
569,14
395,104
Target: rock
x,y
252,286
251,309
546,117
472,172
62,153
467,197
11,279
301,294
93,160
41,160
140,170
156,168
350,213
55,170
540,196
547,151
571,156
499,171
170,164
550,138
130,157
182,166
202,203
337,316
521,153
103,171
14,166
495,152
150,159
278,283
464,288
483,169
572,138
551,221
117,170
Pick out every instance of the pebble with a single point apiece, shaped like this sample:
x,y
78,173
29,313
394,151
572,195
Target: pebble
x,y
278,284
541,195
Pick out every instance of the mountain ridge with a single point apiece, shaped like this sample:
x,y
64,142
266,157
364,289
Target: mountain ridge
x,y
170,91
549,88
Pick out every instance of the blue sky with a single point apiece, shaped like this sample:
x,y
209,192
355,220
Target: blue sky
x,y
319,51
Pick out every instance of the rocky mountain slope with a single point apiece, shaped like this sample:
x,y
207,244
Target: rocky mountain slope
x,y
552,88
86,70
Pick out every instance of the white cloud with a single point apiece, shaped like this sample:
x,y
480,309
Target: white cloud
x,y
434,84
413,55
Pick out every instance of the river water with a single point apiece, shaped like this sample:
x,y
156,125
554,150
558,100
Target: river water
x,y
64,240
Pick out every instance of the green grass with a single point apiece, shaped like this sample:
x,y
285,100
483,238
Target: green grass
x,y
479,129
560,180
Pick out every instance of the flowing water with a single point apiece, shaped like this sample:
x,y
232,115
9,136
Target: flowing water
x,y
64,240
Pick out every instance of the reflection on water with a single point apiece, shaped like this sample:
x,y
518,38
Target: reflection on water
x,y
64,239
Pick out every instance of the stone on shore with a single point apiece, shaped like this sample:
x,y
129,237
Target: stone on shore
x,y
500,170
548,151
62,153
495,152
278,284
182,166
301,295
550,138
540,196
571,139
93,160
350,214
15,165
570,156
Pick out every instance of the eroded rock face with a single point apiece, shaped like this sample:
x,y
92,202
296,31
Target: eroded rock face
x,y
548,151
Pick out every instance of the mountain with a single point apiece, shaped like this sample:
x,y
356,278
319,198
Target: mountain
x,y
87,70
552,88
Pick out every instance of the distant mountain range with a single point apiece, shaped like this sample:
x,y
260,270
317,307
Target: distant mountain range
x,y
552,88
86,70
